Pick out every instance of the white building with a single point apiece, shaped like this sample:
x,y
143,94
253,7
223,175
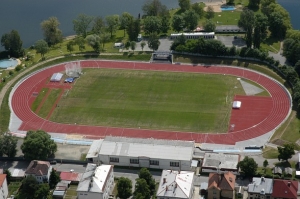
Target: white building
x,y
40,170
97,182
3,187
175,185
149,153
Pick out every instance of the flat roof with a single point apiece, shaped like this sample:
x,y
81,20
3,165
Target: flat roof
x,y
94,178
94,149
151,148
175,184
221,160
17,173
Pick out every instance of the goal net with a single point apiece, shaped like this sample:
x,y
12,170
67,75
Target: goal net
x,y
73,69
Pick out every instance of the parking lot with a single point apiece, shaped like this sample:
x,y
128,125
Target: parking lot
x,y
229,41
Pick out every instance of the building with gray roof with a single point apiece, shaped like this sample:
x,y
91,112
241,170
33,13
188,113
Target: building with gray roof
x,y
229,29
220,162
260,188
96,182
149,153
176,184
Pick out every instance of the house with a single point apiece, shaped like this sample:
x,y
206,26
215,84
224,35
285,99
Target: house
x,y
71,177
141,152
285,189
176,184
261,188
3,187
220,162
40,170
96,182
221,185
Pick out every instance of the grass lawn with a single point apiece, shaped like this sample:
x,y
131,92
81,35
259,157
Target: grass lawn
x,y
149,100
270,153
49,102
271,44
39,99
13,187
71,192
227,18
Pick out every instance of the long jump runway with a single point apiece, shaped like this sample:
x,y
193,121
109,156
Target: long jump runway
x,y
274,113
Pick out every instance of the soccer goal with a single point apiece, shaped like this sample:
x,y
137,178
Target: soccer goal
x,y
73,69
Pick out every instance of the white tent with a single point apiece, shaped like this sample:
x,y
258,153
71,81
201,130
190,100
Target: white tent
x,y
236,104
56,77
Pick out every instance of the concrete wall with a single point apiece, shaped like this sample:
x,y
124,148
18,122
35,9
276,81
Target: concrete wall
x,y
144,162
4,190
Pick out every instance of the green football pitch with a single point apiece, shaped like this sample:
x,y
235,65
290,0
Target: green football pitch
x,y
189,102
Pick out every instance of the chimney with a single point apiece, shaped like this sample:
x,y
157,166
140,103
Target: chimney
x,y
166,188
165,180
289,184
262,179
175,185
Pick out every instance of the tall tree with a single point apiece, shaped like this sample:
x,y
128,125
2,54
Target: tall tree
x,y
254,4
265,164
154,8
8,145
41,46
277,25
53,179
286,152
80,43
42,191
112,22
190,19
104,38
133,29
246,22
38,145
210,13
153,41
142,189
144,173
143,44
52,34
28,188
70,46
260,29
125,19
178,23
98,25
198,8
184,5
82,24
8,176
12,43
209,26
152,24
165,24
133,45
248,166
265,6
124,187
94,42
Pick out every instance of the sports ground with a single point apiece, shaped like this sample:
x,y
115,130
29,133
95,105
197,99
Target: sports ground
x,y
189,102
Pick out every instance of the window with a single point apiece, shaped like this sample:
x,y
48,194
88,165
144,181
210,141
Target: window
x,y
154,162
174,164
114,159
134,161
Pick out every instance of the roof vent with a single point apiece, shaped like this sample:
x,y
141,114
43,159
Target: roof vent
x,y
289,184
164,180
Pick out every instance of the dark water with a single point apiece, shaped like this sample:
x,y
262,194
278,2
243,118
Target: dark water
x,y
26,15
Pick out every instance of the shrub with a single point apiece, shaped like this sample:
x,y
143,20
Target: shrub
x,y
18,68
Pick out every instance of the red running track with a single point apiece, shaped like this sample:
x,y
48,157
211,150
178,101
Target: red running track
x,y
279,110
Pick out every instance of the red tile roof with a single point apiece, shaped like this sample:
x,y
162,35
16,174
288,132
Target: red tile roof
x,y
2,179
70,176
285,188
224,181
38,168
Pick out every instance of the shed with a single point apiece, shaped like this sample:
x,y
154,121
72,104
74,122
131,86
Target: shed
x,y
288,171
237,104
118,45
277,170
58,194
56,77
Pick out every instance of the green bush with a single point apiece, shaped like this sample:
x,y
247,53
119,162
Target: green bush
x,y
18,68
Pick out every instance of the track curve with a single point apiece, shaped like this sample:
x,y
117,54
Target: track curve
x,y
21,98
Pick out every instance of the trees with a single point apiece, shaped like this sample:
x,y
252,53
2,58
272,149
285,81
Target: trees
x,y
94,42
8,175
153,41
98,25
165,24
210,13
143,44
142,189
152,24
265,164
178,23
198,8
248,166
132,45
145,174
104,38
112,22
190,19
247,23
124,187
52,34
12,43
254,4
38,145
41,47
82,24
80,43
8,145
291,50
125,20
53,179
133,29
260,29
277,25
184,5
70,46
209,26
286,152
28,188
154,8
42,191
